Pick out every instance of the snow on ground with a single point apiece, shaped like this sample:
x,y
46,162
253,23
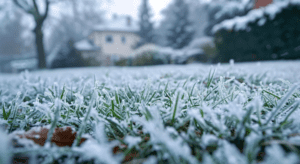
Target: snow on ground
x,y
223,113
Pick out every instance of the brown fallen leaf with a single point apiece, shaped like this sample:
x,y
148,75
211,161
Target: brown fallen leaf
x,y
61,137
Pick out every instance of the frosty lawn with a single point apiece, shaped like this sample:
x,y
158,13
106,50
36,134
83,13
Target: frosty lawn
x,y
236,113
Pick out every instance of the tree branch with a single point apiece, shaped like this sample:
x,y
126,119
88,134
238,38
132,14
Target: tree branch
x,y
47,10
36,7
19,5
28,9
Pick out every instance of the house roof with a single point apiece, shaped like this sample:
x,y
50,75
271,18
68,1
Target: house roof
x,y
86,45
119,24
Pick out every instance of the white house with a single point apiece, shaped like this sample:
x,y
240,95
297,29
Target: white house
x,y
113,39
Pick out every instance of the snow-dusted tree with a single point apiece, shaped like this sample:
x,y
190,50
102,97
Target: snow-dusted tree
x,y
31,7
75,25
220,10
146,26
179,28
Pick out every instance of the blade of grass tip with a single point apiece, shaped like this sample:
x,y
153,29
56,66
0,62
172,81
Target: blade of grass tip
x,y
62,93
8,114
243,122
292,111
272,94
51,91
166,88
113,107
82,89
14,111
130,91
53,124
193,89
185,83
169,97
210,93
208,77
286,108
175,89
147,93
82,126
190,99
142,93
4,113
159,86
71,92
281,103
212,77
175,108
152,96
117,98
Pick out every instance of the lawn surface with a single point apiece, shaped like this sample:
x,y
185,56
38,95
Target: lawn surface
x,y
225,113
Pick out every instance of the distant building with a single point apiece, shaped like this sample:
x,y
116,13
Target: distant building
x,y
112,40
262,3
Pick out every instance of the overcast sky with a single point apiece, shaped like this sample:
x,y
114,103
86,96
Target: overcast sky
x,y
131,7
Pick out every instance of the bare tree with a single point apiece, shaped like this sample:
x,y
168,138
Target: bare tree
x,y
31,7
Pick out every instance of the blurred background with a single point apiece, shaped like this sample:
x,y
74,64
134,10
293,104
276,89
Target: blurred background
x,y
40,34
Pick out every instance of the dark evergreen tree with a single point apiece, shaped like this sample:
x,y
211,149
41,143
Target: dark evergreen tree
x,y
180,31
146,26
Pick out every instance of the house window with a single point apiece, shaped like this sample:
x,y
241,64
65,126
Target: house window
x,y
123,39
109,39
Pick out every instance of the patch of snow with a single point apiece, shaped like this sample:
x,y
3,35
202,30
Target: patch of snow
x,y
229,154
132,141
102,153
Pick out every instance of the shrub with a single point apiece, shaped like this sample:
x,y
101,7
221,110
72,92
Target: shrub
x,y
150,55
207,45
263,34
149,58
123,62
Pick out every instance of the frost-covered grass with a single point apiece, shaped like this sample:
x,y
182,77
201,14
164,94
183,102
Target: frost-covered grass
x,y
237,113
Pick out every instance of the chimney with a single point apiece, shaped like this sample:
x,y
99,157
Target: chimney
x,y
128,19
115,16
262,3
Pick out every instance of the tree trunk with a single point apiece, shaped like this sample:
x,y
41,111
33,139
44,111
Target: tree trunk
x,y
40,47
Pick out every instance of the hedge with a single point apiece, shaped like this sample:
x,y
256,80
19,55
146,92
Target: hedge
x,y
277,38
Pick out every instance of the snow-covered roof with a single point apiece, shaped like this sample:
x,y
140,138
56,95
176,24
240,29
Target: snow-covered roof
x,y
240,22
86,45
121,23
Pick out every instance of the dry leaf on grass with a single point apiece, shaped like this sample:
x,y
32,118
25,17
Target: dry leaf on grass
x,y
61,137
